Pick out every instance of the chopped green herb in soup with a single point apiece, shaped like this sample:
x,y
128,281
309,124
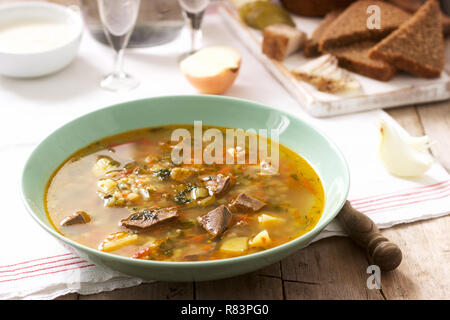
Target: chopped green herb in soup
x,y
124,195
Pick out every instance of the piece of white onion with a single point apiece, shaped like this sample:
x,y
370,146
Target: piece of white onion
x,y
402,154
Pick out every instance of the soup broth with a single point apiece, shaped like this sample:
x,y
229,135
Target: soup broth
x,y
124,195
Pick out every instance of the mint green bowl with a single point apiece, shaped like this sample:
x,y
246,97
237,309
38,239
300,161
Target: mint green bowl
x,y
296,134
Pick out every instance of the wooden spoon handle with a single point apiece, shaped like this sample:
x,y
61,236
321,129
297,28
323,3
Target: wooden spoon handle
x,y
365,233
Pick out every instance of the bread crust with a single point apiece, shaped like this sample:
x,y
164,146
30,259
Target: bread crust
x,y
351,26
355,58
381,74
404,63
314,8
312,44
427,63
414,5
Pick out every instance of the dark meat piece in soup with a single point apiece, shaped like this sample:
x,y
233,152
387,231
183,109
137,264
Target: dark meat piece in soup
x,y
217,185
216,221
246,203
149,217
79,217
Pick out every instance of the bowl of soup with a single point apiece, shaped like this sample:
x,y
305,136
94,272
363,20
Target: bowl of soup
x,y
185,188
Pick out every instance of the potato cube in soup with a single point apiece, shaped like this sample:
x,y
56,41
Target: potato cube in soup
x,y
103,165
106,185
150,242
117,240
268,220
261,240
132,196
180,174
236,245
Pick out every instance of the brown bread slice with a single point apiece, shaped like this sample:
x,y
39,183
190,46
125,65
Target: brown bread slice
x,y
418,45
351,26
312,44
414,5
314,8
356,59
446,24
407,5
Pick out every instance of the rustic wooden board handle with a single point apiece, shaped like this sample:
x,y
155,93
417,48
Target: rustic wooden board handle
x,y
365,233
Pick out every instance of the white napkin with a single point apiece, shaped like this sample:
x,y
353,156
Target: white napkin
x,y
33,265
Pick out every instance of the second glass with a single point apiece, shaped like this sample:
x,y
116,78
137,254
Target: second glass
x,y
194,11
118,18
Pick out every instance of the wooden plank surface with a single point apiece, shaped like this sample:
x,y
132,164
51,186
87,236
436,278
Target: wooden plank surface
x,y
147,291
435,120
261,285
335,268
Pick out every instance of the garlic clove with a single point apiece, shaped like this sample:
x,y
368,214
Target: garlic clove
x,y
418,143
401,154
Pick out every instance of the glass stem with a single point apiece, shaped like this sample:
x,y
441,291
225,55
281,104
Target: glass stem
x,y
196,39
195,21
118,63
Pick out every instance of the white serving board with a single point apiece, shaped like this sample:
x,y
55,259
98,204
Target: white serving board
x,y
403,89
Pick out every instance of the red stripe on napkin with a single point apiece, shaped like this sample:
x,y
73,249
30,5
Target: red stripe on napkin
x,y
52,272
409,196
404,204
35,265
399,193
24,262
42,269
402,198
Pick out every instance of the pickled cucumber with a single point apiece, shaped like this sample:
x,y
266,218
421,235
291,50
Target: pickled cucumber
x,y
260,14
239,3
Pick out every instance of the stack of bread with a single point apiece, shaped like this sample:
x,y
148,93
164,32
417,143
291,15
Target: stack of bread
x,y
410,37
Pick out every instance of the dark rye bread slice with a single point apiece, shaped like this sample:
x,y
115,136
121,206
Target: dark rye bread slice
x,y
351,26
414,5
312,44
314,8
356,59
407,5
446,24
418,45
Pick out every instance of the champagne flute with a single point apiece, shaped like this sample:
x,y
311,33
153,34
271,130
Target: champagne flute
x,y
194,10
118,18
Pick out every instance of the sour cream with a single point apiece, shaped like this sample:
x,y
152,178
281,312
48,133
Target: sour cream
x,y
34,36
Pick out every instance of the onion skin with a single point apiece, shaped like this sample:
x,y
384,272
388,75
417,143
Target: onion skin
x,y
217,84
212,70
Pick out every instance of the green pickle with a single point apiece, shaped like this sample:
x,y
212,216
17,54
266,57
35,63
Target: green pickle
x,y
260,14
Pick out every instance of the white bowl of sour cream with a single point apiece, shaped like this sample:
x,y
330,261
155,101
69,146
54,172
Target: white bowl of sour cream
x,y
37,38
